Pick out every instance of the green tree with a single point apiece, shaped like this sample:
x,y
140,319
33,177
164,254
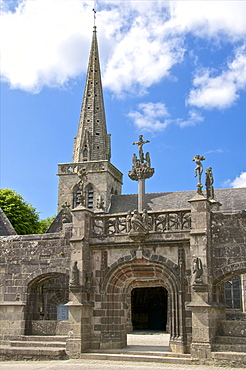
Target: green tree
x,y
22,215
45,223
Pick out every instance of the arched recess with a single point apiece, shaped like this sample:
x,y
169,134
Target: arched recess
x,y
44,294
76,195
116,289
230,288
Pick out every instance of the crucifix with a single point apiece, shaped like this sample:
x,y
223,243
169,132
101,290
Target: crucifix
x,y
141,171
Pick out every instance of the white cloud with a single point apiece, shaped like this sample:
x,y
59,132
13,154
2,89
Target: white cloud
x,y
46,42
193,119
222,90
208,19
240,181
150,117
155,117
43,43
212,151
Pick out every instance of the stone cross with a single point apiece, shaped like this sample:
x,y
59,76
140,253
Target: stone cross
x,y
140,171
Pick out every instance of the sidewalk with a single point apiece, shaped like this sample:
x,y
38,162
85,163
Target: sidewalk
x,y
101,365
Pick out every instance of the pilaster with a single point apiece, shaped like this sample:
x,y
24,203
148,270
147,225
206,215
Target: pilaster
x,y
80,304
205,313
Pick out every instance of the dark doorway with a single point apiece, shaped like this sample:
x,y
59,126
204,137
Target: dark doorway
x,y
149,308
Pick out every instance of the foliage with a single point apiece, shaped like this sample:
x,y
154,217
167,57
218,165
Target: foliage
x,y
22,215
45,223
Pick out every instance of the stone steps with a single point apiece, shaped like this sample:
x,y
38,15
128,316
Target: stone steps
x,y
163,357
222,347
35,348
230,340
36,343
126,351
229,358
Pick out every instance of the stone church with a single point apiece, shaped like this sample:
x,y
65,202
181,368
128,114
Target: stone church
x,y
110,264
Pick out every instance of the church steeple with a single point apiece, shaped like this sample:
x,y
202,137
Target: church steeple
x,y
91,152
92,142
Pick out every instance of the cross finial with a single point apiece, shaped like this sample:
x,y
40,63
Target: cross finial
x,y
94,11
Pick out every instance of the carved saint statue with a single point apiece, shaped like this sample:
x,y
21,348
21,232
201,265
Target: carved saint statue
x,y
197,270
83,178
128,221
145,218
100,202
136,222
74,281
209,183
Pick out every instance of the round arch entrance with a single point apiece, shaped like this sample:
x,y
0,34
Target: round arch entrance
x,y
149,308
121,287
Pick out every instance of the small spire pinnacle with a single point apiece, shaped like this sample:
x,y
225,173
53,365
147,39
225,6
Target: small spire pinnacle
x,y
94,11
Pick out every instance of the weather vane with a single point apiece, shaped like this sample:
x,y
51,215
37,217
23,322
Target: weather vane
x,y
94,16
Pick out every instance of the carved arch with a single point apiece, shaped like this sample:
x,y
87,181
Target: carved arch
x,y
124,276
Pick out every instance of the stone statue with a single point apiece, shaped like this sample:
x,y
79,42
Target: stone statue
x,y
88,285
83,178
100,202
197,270
66,214
136,222
198,171
145,218
209,183
148,160
141,171
140,144
74,281
128,221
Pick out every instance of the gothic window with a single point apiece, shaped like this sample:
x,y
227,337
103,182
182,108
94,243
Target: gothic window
x,y
85,153
233,293
89,196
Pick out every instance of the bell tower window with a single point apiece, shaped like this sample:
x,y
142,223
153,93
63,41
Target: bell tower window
x,y
90,195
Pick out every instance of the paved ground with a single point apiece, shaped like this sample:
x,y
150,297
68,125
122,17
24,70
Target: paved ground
x,y
100,365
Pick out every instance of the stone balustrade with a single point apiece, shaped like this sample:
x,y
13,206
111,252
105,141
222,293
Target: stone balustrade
x,y
159,222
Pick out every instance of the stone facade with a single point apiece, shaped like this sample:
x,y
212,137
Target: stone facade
x,y
103,268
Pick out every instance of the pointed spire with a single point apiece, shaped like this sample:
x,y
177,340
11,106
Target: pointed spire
x,y
92,142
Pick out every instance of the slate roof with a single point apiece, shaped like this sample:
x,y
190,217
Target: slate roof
x,y
231,199
6,227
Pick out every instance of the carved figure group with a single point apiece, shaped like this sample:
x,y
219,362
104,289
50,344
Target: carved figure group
x,y
140,144
136,222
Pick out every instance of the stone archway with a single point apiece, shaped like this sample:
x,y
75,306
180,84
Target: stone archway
x,y
44,294
149,308
117,288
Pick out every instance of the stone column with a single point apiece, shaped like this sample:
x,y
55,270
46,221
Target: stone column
x,y
205,313
80,306
141,195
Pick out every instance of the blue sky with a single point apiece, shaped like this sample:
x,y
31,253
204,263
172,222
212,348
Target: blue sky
x,y
174,71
